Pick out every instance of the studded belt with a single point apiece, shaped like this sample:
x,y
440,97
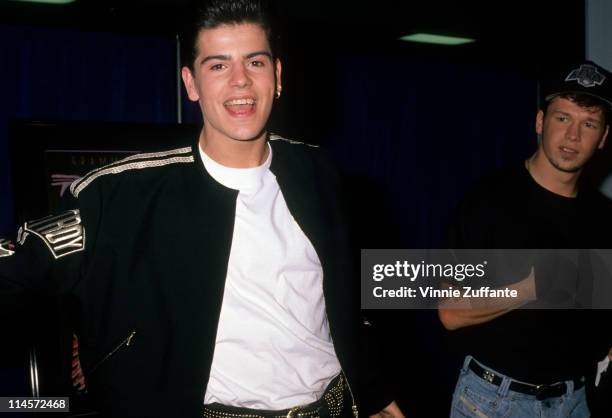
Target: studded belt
x,y
541,392
334,403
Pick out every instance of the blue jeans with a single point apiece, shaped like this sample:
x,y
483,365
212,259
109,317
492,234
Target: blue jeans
x,y
477,398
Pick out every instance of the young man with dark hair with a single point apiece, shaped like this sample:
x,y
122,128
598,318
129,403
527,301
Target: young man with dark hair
x,y
214,280
523,362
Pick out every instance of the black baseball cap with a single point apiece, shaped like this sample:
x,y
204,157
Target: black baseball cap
x,y
585,77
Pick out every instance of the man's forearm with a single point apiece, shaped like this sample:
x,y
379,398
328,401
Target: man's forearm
x,y
453,319
464,312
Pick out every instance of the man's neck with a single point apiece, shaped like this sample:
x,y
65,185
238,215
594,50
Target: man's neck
x,y
235,153
551,178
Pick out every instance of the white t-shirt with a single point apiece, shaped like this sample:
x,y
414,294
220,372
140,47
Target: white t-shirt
x,y
273,346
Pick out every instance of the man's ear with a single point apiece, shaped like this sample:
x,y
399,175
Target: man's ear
x,y
277,76
189,82
539,125
604,137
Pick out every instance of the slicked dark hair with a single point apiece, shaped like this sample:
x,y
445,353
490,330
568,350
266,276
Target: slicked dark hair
x,y
210,14
586,101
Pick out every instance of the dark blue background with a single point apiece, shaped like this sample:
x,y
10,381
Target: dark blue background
x,y
63,75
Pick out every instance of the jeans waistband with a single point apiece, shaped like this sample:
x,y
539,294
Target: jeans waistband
x,y
506,383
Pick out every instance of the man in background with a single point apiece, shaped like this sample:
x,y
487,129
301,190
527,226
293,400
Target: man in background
x,y
520,362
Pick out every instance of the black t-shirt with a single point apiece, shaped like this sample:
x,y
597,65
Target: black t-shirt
x,y
510,210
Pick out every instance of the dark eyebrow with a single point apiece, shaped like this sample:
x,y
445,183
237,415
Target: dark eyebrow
x,y
597,120
215,57
254,54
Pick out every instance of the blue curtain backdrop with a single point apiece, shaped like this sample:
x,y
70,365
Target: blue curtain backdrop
x,y
417,134
61,75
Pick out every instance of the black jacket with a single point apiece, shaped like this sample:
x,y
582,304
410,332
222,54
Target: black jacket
x,y
150,276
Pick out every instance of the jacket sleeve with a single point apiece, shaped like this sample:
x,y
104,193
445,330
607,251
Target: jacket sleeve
x,y
45,255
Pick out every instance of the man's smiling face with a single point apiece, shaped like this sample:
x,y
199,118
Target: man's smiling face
x,y
235,80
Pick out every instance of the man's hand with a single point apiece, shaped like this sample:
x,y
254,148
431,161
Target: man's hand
x,y
390,411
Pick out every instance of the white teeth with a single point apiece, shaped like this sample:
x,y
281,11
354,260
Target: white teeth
x,y
237,102
567,149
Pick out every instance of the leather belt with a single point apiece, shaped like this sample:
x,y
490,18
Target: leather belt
x,y
540,392
333,403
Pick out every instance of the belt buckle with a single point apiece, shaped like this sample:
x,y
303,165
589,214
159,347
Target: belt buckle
x,y
488,376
